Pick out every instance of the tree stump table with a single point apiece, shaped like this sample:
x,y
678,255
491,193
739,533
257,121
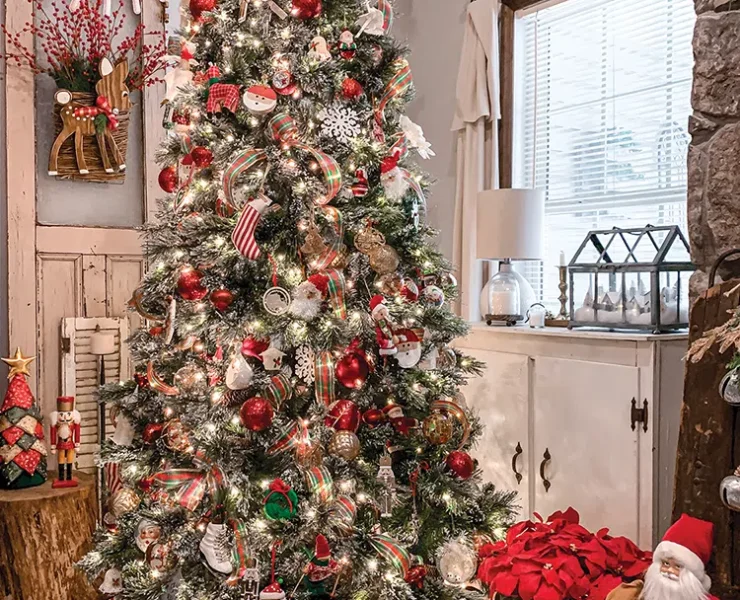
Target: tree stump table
x,y
43,532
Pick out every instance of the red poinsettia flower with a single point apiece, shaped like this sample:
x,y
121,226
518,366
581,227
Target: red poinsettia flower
x,y
559,559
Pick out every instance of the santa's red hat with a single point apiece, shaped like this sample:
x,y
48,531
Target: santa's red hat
x,y
388,164
320,281
262,91
689,541
407,337
393,411
376,301
322,548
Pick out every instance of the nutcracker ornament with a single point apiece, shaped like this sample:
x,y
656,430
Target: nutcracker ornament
x,y
65,439
386,478
384,334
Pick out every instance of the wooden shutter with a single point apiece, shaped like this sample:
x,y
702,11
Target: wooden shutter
x,y
80,374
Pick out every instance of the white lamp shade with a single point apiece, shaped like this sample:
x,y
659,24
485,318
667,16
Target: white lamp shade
x,y
510,224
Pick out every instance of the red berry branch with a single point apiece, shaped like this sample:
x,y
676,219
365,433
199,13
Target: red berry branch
x,y
73,43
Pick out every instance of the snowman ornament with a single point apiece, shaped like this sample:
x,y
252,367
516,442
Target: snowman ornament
x,y
260,99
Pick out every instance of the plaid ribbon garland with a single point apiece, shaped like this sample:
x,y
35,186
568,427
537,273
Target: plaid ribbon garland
x,y
324,374
279,390
189,486
456,411
336,292
399,84
284,130
392,551
320,483
400,147
244,161
292,437
239,553
385,7
343,514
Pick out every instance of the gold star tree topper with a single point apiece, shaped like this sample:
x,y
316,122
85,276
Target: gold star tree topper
x,y
18,364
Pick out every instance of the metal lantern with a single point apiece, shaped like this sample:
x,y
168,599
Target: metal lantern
x,y
631,279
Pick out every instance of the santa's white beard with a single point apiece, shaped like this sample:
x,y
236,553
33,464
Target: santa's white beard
x,y
394,184
306,302
660,587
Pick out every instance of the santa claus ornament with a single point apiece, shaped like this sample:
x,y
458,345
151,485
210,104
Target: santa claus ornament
x,y
409,348
65,439
394,183
260,99
678,571
384,333
309,296
347,46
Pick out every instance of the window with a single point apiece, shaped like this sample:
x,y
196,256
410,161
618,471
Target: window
x,y
602,105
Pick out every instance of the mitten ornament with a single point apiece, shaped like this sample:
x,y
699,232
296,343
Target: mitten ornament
x,y
243,234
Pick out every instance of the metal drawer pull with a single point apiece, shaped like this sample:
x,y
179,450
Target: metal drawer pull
x,y
518,453
543,464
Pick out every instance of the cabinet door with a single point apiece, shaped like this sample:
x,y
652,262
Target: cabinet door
x,y
501,398
582,418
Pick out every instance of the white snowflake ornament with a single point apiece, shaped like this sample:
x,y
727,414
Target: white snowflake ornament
x,y
339,122
304,363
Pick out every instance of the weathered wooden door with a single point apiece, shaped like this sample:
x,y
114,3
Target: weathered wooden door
x,y
58,267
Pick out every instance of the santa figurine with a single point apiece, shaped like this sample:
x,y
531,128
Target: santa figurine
x,y
395,184
65,439
383,326
678,569
347,46
321,568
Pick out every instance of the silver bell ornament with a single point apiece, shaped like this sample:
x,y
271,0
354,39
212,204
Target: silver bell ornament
x,y
457,562
729,491
729,387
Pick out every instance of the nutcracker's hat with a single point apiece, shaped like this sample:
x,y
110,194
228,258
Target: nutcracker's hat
x,y
65,403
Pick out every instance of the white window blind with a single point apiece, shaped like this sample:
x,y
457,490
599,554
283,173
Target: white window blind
x,y
602,105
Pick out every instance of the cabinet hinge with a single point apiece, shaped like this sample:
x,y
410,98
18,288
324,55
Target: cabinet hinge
x,y
639,415
66,345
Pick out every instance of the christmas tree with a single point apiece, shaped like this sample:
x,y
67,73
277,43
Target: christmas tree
x,y
301,425
22,448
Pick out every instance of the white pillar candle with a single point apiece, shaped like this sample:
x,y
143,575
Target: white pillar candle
x,y
537,319
562,259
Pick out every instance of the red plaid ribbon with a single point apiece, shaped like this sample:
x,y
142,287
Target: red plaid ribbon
x,y
321,484
324,373
336,292
102,107
189,486
284,130
222,95
399,84
392,551
279,390
294,436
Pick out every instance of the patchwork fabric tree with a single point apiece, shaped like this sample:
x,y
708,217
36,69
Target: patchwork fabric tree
x,y
22,447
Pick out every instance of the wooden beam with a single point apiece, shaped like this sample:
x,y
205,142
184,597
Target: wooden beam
x,y
506,125
20,190
87,240
515,5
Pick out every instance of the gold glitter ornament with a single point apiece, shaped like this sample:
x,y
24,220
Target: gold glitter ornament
x,y
344,444
437,428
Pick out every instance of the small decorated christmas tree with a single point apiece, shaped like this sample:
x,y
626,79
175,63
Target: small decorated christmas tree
x,y
22,448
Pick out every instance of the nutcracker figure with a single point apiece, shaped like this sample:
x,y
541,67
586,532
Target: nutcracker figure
x,y
65,439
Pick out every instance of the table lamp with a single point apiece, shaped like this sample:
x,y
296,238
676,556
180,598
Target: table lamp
x,y
509,227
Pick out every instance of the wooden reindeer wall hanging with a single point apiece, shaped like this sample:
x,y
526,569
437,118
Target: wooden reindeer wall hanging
x,y
84,115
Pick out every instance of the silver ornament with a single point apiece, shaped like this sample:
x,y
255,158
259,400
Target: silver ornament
x,y
729,491
457,562
729,387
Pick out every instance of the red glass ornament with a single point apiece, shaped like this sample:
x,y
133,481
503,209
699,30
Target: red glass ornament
x,y
202,157
351,89
221,299
200,6
343,416
306,9
352,369
460,464
156,330
256,414
189,285
254,347
141,380
373,417
168,179
152,432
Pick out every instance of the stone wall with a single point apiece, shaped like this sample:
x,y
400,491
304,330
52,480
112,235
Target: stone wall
x,y
714,153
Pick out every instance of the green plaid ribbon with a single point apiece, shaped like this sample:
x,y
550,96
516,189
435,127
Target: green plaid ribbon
x,y
320,483
385,7
392,551
188,487
279,390
399,84
293,436
239,553
343,513
285,131
244,161
324,374
336,292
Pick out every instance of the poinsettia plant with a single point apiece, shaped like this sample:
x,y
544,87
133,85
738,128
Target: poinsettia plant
x,y
72,43
559,559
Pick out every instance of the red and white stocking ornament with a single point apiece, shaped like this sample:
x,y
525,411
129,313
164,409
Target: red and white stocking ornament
x,y
243,234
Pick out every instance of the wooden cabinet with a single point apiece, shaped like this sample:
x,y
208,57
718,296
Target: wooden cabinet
x,y
557,406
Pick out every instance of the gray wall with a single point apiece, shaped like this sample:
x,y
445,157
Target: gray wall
x,y
434,32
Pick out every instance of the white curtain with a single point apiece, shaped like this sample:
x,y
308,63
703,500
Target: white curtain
x,y
476,119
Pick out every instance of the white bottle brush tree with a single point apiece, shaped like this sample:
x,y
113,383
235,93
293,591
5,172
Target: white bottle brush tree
x,y
301,429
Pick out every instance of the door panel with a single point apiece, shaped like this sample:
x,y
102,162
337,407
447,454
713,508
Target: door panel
x,y
501,399
582,416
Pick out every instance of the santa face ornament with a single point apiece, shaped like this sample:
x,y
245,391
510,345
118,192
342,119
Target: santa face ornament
x,y
409,349
260,99
147,533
